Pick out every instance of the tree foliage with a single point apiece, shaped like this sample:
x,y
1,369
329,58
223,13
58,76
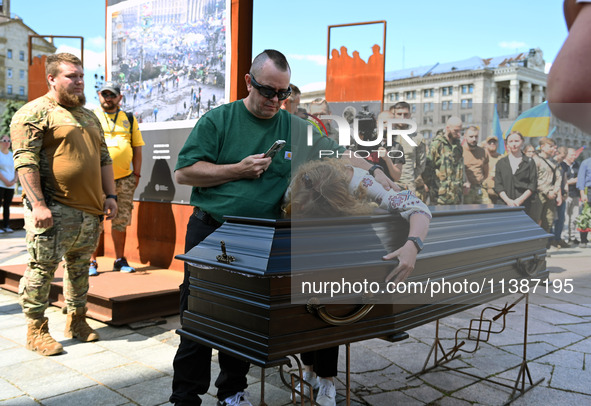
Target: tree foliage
x,y
11,107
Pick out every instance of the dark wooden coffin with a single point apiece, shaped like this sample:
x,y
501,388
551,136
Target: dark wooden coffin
x,y
248,300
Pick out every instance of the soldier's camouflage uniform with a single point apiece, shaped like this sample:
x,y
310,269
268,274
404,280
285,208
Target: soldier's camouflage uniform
x,y
444,171
549,181
414,165
68,149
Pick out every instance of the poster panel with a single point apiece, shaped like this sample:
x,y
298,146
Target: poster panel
x,y
171,57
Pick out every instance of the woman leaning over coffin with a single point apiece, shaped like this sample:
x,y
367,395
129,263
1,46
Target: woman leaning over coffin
x,y
330,188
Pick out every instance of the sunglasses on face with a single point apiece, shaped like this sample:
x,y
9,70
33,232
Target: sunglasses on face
x,y
108,95
269,92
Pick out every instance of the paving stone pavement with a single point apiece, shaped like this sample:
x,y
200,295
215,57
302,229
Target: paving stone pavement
x,y
134,366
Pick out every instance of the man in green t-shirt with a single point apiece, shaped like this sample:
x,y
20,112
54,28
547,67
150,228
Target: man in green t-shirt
x,y
224,161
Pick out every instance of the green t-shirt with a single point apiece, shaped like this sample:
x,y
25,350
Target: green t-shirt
x,y
228,134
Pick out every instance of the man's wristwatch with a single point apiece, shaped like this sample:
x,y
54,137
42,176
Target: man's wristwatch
x,y
373,169
112,197
417,242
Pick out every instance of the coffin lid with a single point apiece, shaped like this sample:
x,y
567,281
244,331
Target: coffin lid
x,y
266,247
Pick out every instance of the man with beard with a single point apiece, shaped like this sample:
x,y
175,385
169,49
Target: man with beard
x,y
415,158
444,171
491,146
476,167
64,168
224,161
124,140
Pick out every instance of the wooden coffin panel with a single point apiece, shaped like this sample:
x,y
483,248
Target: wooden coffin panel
x,y
247,307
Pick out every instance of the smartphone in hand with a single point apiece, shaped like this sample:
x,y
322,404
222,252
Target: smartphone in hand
x,y
276,147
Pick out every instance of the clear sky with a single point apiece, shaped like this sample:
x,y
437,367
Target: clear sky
x,y
419,32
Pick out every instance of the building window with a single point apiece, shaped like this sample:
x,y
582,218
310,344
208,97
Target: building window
x,y
428,92
21,55
427,120
428,107
410,95
9,73
427,134
21,74
21,90
9,54
467,118
446,105
9,89
444,118
413,108
447,91
467,103
467,89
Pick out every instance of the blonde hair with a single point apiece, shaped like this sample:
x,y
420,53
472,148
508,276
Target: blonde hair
x,y
321,189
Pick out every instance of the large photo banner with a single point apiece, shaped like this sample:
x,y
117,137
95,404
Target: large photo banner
x,y
171,59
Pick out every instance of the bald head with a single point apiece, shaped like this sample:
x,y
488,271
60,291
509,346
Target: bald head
x,y
453,128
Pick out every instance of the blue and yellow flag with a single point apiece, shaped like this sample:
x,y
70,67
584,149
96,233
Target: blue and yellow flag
x,y
534,122
497,132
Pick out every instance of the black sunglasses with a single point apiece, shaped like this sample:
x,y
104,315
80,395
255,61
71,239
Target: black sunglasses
x,y
269,92
108,95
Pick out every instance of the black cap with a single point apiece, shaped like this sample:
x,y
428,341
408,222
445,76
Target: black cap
x,y
111,87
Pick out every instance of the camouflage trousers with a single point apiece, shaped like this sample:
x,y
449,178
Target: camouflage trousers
x,y
547,212
125,188
477,195
72,237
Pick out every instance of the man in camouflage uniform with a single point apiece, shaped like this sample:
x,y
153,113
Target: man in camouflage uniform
x,y
476,168
490,146
549,182
62,162
444,172
415,158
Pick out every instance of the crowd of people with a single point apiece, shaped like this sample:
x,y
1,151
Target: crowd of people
x,y
456,167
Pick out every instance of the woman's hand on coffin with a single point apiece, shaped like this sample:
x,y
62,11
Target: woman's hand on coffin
x,y
407,257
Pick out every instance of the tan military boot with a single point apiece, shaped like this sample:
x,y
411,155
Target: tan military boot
x,y
39,339
77,327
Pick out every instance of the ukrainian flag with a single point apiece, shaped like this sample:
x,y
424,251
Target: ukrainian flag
x,y
497,132
534,122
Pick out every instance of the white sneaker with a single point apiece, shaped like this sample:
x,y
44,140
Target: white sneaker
x,y
312,379
238,399
326,393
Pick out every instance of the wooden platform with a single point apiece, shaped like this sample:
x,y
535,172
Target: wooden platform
x,y
114,297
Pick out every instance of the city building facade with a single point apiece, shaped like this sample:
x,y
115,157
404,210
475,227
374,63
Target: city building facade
x,y
471,89
14,55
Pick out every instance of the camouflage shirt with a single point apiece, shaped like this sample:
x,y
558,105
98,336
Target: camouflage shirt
x,y
415,159
444,172
68,148
549,177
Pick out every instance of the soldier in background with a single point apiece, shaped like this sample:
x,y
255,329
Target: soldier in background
x,y
415,158
444,172
476,167
292,103
549,181
491,146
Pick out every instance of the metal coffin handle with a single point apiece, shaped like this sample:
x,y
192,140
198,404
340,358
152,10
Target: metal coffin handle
x,y
529,266
314,307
